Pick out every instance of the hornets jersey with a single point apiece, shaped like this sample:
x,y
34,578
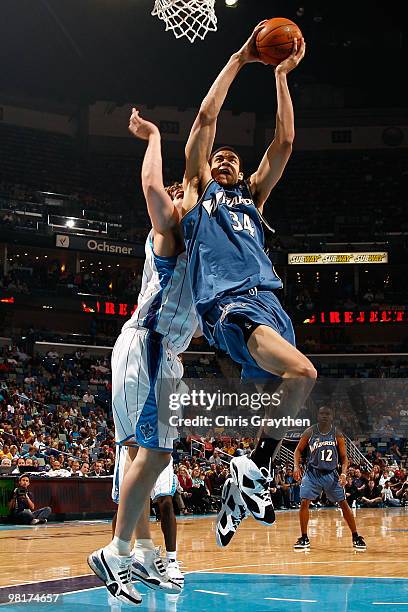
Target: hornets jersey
x,y
322,451
165,302
225,246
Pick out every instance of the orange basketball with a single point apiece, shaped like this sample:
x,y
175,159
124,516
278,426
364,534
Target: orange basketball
x,y
275,41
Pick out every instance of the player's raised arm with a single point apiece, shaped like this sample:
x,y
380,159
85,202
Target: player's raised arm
x,y
276,157
202,135
161,209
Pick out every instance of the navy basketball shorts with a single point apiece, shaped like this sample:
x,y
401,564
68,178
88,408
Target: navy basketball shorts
x,y
314,482
227,319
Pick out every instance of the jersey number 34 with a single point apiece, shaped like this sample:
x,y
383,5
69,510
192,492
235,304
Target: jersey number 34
x,y
245,225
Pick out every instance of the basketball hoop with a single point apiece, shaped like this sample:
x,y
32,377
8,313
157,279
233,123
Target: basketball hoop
x,y
190,18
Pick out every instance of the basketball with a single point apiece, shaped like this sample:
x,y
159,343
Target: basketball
x,y
275,41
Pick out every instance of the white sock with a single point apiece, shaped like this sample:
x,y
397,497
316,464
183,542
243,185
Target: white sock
x,y
147,544
171,556
120,547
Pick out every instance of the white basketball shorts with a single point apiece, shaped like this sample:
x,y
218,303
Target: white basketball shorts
x,y
166,482
145,374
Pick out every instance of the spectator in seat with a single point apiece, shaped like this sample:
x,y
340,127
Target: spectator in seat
x,y
88,398
396,453
359,482
22,505
104,453
210,477
402,493
185,483
221,475
385,476
281,492
109,466
20,462
5,452
85,469
351,491
57,471
388,497
215,458
376,474
372,496
5,462
39,443
75,469
98,470
292,488
178,499
199,493
32,452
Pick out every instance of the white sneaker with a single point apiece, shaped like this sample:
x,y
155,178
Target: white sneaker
x,y
174,573
233,510
253,483
115,571
148,567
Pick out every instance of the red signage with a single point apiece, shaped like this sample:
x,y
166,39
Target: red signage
x,y
110,308
348,317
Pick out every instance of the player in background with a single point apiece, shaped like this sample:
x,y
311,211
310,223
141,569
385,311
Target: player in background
x,y
326,449
146,369
162,495
233,280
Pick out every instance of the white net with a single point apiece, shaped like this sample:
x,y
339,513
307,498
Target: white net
x,y
190,18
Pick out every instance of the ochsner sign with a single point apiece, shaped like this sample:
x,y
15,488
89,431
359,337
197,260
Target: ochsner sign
x,y
98,245
107,247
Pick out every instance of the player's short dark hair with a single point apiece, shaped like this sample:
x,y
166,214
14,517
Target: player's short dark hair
x,y
228,148
324,407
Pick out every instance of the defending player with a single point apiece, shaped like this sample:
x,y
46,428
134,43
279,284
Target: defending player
x,y
233,280
326,449
145,364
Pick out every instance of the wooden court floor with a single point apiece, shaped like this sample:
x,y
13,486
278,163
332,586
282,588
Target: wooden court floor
x,y
59,551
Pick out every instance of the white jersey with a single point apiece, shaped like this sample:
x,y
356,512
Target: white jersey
x,y
165,302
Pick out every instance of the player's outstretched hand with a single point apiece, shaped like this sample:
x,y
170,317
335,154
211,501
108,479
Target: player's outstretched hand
x,y
298,52
297,473
248,52
141,128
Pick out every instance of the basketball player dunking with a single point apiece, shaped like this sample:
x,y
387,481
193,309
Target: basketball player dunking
x,y
145,370
326,449
233,280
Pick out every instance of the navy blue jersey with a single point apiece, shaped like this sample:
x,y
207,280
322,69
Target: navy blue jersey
x,y
225,246
323,453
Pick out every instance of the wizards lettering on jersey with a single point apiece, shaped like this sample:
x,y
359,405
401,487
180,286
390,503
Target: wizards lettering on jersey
x,y
317,444
225,245
323,453
222,198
